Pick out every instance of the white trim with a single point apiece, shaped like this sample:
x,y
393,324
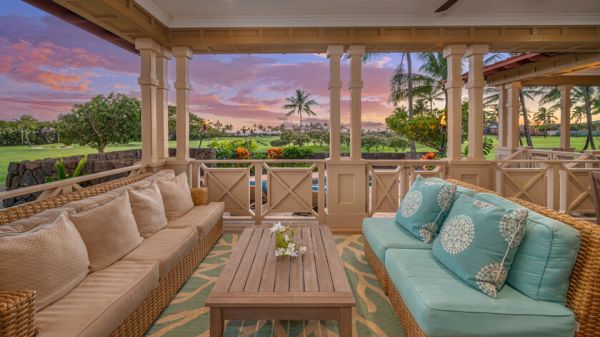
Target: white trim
x,y
449,20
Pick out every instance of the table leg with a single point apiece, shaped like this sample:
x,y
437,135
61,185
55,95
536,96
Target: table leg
x,y
345,322
216,322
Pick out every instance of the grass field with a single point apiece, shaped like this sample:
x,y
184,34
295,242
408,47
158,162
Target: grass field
x,y
20,153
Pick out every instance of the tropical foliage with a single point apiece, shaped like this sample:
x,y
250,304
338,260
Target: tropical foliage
x,y
110,119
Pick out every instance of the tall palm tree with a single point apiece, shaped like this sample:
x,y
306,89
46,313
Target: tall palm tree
x,y
545,117
300,104
585,101
587,98
26,124
218,125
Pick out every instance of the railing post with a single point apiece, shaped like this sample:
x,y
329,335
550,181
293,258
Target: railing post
x,y
553,188
404,180
321,194
258,169
195,175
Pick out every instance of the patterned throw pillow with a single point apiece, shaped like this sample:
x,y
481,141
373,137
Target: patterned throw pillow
x,y
423,208
478,242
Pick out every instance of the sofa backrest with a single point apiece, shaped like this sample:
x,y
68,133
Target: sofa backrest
x,y
583,295
29,209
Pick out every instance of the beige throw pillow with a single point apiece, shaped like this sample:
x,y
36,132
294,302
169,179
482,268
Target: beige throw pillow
x,y
148,210
176,196
109,231
51,259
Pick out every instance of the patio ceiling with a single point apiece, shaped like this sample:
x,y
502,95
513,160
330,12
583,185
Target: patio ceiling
x,y
371,13
282,26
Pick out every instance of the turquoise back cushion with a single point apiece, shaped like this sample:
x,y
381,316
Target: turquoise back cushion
x,y
423,208
478,242
546,257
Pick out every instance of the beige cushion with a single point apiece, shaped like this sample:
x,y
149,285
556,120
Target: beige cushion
x,y
203,218
148,210
27,224
176,195
109,231
166,247
81,205
51,259
100,303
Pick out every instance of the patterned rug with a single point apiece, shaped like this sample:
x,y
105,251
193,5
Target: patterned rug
x,y
187,316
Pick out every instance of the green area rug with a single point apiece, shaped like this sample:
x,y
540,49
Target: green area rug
x,y
187,316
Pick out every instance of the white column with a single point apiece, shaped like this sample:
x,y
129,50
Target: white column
x,y
512,109
335,85
356,54
565,117
162,104
183,55
474,54
148,83
502,116
454,84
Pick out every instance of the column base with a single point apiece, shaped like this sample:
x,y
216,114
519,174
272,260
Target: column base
x,y
346,194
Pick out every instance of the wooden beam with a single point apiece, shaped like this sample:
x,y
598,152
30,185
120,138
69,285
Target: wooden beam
x,y
553,66
575,80
123,18
79,21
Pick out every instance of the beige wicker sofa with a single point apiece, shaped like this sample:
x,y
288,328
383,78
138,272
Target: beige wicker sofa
x,y
125,298
583,296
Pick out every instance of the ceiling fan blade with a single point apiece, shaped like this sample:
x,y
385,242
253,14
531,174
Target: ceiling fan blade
x,y
445,6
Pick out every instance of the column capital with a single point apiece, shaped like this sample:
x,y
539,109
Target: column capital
x,y
477,49
454,49
358,50
335,51
513,85
147,44
165,53
565,87
182,52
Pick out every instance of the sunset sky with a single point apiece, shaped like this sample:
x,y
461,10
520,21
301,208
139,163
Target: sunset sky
x,y
47,65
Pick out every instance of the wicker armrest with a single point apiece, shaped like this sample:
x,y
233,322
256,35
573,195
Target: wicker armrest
x,y
17,310
199,196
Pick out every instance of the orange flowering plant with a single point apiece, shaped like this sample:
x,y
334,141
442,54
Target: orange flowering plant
x,y
275,153
242,153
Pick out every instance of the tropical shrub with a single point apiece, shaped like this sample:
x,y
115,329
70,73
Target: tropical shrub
x,y
275,153
296,152
226,149
61,173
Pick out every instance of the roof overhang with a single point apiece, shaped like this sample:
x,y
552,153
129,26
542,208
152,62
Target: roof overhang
x,y
131,19
563,69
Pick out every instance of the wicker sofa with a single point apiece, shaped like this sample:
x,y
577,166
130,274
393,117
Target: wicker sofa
x,y
582,297
166,259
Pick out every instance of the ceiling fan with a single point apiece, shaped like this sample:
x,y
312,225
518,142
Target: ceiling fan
x,y
446,6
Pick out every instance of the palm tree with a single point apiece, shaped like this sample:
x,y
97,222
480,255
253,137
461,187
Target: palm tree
x,y
585,102
528,93
218,125
300,104
545,117
26,124
587,98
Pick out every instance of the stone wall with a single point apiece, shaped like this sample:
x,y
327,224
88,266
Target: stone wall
x,y
34,172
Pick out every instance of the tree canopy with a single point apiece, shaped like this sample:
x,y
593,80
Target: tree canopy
x,y
110,119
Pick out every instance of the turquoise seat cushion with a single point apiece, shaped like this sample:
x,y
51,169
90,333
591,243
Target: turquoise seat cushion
x,y
444,306
423,208
545,260
385,233
478,242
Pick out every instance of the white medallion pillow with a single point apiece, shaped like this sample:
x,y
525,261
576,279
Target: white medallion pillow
x,y
51,259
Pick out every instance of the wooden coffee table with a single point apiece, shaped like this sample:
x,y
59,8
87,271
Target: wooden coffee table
x,y
257,285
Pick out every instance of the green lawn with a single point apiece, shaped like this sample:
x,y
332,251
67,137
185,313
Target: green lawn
x,y
20,153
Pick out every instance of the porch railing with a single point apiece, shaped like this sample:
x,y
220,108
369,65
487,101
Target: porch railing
x,y
389,180
260,190
68,185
